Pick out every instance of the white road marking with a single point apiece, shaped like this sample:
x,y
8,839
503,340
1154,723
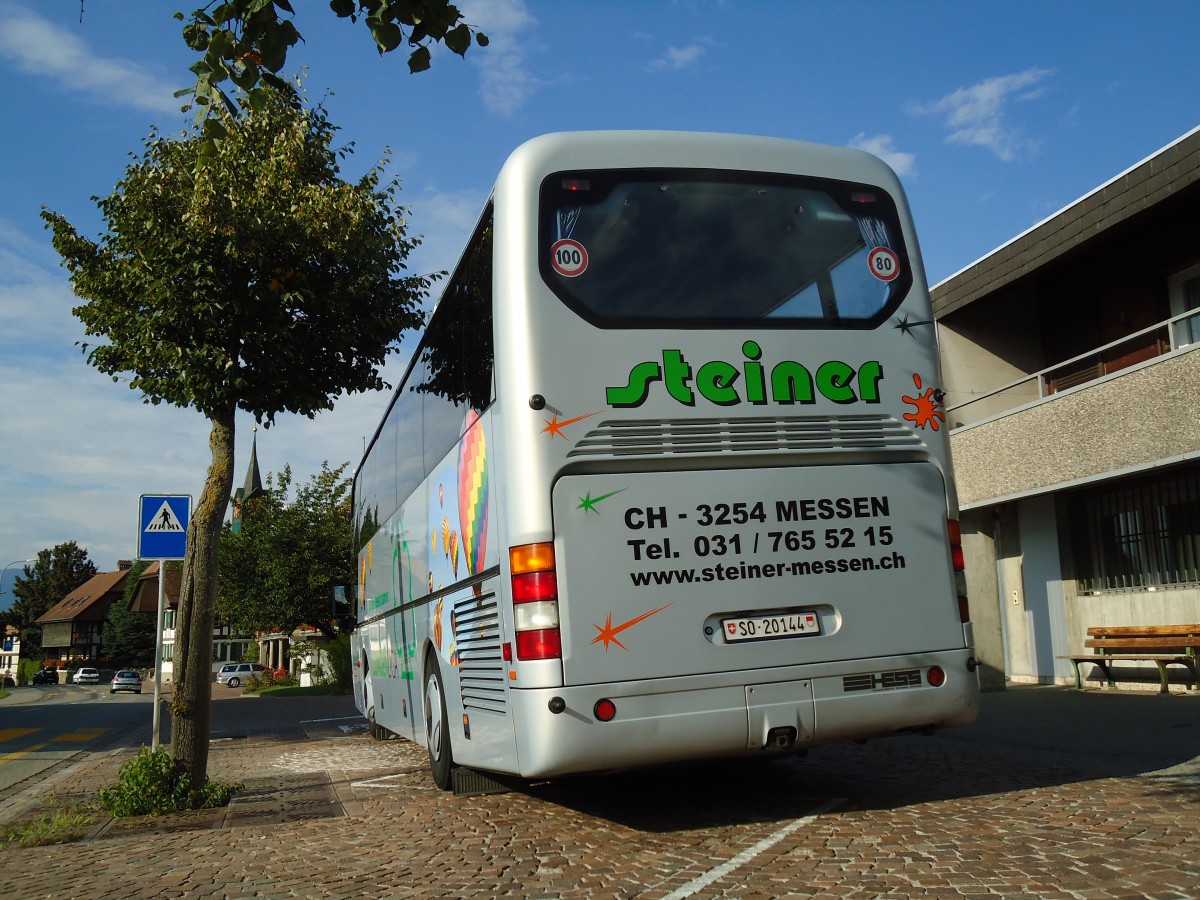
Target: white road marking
x,y
712,875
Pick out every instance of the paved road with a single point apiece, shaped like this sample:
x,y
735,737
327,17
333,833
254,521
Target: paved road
x,y
43,726
1054,793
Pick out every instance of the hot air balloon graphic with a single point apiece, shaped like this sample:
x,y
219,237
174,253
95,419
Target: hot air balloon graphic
x,y
454,551
445,535
473,493
437,623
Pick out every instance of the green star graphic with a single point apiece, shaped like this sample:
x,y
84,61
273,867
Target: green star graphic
x,y
588,503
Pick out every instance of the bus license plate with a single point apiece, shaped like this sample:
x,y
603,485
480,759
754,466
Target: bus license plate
x,y
758,628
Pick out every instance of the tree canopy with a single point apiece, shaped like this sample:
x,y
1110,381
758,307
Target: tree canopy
x,y
250,276
279,571
246,42
56,572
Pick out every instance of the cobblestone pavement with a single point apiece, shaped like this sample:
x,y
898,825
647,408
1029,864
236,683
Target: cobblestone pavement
x,y
332,813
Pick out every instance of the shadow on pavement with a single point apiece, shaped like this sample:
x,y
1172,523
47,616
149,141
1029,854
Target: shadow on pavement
x,y
1026,738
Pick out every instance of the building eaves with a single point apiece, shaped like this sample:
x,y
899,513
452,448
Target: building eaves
x,y
145,594
1138,188
89,601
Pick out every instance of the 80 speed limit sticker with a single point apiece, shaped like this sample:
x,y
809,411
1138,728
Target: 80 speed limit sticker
x,y
884,263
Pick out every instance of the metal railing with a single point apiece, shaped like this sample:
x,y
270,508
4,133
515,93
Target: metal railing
x,y
1170,335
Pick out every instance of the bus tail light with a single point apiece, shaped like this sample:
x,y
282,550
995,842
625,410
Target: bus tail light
x,y
604,710
960,566
535,601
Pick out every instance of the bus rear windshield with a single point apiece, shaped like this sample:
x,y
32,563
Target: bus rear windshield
x,y
694,249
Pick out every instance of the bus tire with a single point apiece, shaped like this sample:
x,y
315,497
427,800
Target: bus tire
x,y
376,728
437,729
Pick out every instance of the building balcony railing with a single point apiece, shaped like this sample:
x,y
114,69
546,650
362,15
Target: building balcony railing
x,y
1175,334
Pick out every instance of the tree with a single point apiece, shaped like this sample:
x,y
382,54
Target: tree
x,y
247,42
130,638
56,573
254,278
279,571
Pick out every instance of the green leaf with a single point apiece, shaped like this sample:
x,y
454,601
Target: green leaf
x,y
387,35
459,39
343,8
196,37
419,61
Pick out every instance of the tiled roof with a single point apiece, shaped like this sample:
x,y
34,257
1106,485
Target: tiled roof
x,y
90,601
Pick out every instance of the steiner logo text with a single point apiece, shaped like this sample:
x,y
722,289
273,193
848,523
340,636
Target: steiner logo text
x,y
725,384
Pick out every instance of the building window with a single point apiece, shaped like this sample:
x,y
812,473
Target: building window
x,y
1140,534
1185,297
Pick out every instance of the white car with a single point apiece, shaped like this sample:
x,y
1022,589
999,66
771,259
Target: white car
x,y
126,680
234,674
87,676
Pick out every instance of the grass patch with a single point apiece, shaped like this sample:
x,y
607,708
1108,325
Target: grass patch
x,y
316,690
56,825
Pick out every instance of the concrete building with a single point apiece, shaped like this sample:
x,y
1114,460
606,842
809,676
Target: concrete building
x,y
1072,389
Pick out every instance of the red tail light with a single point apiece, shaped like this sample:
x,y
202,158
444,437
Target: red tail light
x,y
960,564
535,601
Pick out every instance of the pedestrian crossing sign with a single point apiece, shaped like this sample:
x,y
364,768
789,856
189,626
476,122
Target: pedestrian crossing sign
x,y
162,525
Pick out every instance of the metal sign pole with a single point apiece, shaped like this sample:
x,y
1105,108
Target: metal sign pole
x,y
158,649
162,534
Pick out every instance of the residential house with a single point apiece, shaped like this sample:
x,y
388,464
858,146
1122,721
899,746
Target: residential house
x,y
227,645
72,628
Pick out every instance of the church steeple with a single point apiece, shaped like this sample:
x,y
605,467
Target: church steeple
x,y
253,486
251,489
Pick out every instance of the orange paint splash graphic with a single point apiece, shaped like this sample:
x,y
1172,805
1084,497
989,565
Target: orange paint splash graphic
x,y
926,405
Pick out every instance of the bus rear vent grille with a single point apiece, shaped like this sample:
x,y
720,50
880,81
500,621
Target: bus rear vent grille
x,y
481,671
801,434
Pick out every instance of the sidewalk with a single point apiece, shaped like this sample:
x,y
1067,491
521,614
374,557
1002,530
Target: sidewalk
x,y
251,738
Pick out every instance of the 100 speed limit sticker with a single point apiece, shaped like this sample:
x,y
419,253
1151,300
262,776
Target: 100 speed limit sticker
x,y
568,258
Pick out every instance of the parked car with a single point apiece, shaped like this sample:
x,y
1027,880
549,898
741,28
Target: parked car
x,y
46,676
233,674
126,680
87,676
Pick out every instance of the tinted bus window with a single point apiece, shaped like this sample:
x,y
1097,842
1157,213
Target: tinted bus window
x,y
693,249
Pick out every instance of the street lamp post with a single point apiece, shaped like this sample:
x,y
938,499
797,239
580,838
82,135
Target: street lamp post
x,y
15,562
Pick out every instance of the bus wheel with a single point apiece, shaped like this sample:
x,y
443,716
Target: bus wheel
x,y
376,730
437,729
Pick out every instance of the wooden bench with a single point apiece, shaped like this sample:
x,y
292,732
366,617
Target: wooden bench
x,y
1162,645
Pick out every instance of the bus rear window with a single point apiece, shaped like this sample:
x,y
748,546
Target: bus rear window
x,y
696,249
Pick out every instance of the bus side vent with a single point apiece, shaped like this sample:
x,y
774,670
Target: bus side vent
x,y
799,434
481,672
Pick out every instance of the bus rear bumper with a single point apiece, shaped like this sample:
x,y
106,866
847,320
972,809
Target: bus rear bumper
x,y
727,715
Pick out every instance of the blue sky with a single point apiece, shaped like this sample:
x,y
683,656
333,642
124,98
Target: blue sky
x,y
995,115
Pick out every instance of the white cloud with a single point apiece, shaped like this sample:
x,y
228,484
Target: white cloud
x,y
506,82
882,145
41,48
676,58
976,115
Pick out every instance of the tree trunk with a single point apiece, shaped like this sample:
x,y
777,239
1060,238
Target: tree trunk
x,y
191,707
